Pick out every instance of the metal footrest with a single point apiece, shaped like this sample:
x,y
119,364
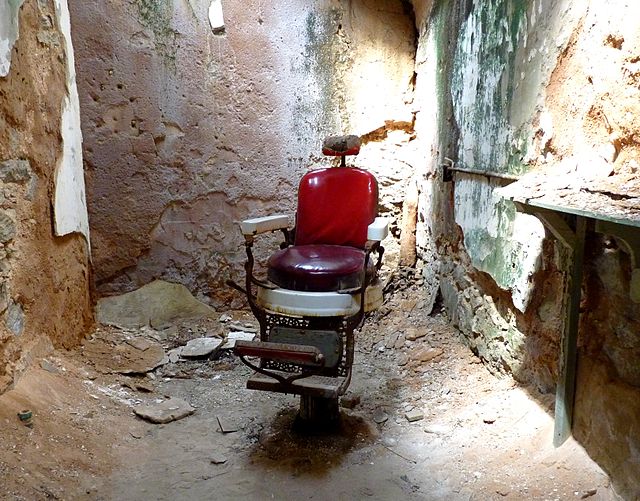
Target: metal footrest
x,y
314,386
286,352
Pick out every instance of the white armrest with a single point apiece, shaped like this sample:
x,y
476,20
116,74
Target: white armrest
x,y
379,229
264,224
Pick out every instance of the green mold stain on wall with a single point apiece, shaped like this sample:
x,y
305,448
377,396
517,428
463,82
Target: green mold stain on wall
x,y
156,15
476,46
483,84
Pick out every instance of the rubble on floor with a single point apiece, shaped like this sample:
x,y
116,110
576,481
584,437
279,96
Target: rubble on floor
x,y
157,304
164,411
422,419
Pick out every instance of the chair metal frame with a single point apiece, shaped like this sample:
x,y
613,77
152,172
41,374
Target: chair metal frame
x,y
302,369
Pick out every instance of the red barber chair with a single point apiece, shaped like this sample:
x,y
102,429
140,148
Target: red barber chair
x,y
320,284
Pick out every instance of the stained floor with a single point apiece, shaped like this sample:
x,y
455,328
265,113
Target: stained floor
x,y
480,437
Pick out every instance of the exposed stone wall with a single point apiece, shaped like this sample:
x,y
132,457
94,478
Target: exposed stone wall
x,y
189,129
44,279
506,87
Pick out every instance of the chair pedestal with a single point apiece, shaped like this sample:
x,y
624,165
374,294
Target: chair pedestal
x,y
318,414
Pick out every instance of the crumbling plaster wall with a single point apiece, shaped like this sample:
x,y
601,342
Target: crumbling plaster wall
x,y
505,87
189,130
45,287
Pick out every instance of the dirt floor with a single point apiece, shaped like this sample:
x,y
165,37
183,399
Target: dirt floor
x,y
480,437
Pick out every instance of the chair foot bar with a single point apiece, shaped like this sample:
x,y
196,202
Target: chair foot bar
x,y
293,353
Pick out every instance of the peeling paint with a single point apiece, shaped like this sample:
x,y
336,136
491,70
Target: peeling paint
x,y
500,241
483,85
70,206
495,108
9,31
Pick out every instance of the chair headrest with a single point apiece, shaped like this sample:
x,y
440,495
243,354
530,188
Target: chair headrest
x,y
339,146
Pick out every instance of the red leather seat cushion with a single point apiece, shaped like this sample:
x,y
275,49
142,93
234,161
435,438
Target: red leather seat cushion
x,y
317,268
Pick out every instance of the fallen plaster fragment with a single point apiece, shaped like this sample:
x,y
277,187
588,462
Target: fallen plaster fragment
x,y
238,326
174,355
9,32
437,429
237,336
169,410
380,416
414,415
201,347
157,303
218,459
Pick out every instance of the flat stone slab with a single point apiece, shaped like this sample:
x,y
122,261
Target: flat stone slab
x,y
201,347
414,415
170,410
226,425
157,303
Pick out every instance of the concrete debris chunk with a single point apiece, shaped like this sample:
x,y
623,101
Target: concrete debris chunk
x,y
350,401
218,459
437,429
15,318
201,347
135,361
403,360
49,366
411,333
234,336
427,354
226,426
380,416
140,343
174,355
414,415
167,411
224,318
138,386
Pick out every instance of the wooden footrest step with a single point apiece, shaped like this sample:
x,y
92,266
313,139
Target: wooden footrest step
x,y
314,386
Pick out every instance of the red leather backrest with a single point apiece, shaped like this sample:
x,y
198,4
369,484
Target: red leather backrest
x,y
335,206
